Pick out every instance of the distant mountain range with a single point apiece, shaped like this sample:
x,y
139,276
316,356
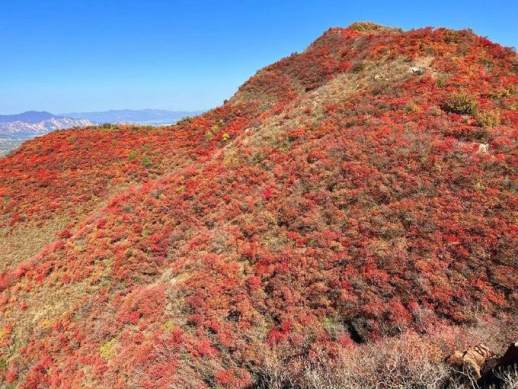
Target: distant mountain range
x,y
27,117
30,124
144,116
19,127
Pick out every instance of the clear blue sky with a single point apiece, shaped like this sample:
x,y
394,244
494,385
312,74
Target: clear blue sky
x,y
81,55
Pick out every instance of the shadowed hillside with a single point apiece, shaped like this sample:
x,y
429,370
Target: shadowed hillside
x,y
361,189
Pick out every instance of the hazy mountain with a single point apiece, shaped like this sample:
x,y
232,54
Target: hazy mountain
x,y
143,116
14,129
27,117
20,129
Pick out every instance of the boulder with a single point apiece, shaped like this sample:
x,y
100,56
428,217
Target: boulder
x,y
418,70
473,359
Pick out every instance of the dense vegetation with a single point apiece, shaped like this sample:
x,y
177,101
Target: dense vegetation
x,y
361,189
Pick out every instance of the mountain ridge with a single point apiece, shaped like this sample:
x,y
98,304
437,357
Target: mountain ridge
x,y
28,116
360,189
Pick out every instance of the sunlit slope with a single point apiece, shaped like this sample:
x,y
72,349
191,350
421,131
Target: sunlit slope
x,y
361,188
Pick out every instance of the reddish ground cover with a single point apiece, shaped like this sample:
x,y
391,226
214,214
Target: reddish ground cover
x,y
356,190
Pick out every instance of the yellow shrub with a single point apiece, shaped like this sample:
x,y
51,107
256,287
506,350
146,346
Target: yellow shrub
x,y
107,349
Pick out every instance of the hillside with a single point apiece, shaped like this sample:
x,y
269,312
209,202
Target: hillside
x,y
14,129
362,189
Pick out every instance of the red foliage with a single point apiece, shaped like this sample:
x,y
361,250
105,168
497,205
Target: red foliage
x,y
257,224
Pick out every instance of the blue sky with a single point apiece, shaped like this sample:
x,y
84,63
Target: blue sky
x,y
88,55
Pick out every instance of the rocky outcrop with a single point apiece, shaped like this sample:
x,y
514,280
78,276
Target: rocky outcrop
x,y
488,369
473,360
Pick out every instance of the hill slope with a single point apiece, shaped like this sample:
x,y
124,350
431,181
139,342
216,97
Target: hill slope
x,y
353,191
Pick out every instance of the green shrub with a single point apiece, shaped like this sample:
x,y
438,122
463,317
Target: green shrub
x,y
411,107
132,155
441,82
369,26
146,162
107,349
108,126
488,118
460,103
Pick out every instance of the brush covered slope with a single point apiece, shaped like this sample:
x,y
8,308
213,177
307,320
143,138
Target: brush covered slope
x,y
362,188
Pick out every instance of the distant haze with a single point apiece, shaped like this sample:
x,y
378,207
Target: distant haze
x,y
144,116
